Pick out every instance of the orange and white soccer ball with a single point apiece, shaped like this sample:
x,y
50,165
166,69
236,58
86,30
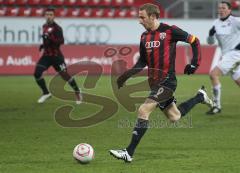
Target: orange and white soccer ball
x,y
83,152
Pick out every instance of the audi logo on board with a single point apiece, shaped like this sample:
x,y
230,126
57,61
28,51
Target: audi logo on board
x,y
152,44
87,34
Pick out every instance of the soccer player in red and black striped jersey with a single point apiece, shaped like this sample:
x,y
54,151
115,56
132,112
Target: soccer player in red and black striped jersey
x,y
52,56
158,53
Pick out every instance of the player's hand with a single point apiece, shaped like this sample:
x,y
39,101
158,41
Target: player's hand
x,y
120,81
190,69
41,47
45,36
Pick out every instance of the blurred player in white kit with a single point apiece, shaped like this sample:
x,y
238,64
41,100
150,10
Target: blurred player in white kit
x,y
226,29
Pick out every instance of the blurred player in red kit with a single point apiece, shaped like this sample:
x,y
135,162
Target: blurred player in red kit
x,y
52,56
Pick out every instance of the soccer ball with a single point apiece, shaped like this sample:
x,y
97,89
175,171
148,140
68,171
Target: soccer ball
x,y
83,152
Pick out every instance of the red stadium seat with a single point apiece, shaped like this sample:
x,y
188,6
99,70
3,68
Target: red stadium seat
x,y
11,2
117,3
93,12
70,8
73,12
46,2
3,11
129,3
108,13
37,12
85,12
132,13
82,2
70,2
61,12
120,13
116,12
58,2
97,12
34,2
95,3
23,11
21,2
106,3
12,11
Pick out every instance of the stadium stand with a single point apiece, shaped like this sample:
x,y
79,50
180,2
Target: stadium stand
x,y
74,8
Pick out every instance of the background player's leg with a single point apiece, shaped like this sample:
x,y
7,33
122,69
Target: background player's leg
x,y
60,66
216,88
41,66
214,76
39,79
238,82
236,75
141,126
216,58
71,81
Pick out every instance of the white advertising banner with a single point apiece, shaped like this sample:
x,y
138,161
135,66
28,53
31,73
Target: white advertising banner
x,y
91,31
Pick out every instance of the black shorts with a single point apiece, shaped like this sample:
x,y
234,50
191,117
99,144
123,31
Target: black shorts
x,y
57,62
163,93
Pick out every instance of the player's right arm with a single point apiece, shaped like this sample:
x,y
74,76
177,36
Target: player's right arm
x,y
141,63
41,47
210,38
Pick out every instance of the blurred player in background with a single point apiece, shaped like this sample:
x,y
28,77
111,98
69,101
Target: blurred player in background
x,y
158,52
52,56
226,29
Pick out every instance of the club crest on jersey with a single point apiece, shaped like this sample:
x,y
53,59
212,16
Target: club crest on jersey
x,y
50,29
162,35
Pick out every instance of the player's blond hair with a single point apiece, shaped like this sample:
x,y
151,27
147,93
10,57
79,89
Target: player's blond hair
x,y
151,9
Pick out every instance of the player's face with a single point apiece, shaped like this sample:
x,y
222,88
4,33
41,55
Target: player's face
x,y
223,10
49,16
145,20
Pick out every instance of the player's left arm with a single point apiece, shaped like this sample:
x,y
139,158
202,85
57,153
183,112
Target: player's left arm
x,y
180,35
140,64
210,38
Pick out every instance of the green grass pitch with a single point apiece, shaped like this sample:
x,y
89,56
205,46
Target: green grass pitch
x,y
32,142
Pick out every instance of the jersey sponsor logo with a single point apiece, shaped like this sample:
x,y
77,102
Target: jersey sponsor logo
x,y
162,35
152,44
